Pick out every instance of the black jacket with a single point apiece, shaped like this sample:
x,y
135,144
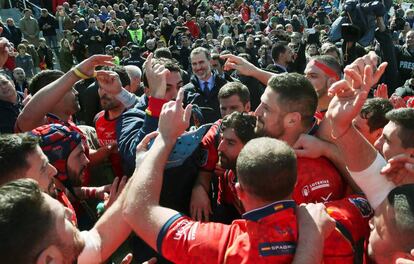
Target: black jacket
x,y
193,94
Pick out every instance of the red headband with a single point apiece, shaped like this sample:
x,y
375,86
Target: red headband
x,y
326,69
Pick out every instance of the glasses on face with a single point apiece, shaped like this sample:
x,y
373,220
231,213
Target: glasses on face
x,y
92,22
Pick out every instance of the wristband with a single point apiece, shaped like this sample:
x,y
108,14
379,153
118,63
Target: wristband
x,y
81,75
155,106
126,98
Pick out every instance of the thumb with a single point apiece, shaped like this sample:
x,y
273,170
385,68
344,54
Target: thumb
x,y
127,259
26,92
300,152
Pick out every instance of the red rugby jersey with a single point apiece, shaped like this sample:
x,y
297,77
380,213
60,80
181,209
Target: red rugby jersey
x,y
318,181
106,132
265,235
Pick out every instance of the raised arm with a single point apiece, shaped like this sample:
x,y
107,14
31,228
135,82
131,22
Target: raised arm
x,y
244,67
33,114
141,207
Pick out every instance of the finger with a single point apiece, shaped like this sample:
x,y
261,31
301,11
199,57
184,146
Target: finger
x,y
380,71
300,153
192,212
187,114
206,214
338,87
353,78
199,216
127,259
114,185
180,98
409,167
148,62
151,261
122,184
143,145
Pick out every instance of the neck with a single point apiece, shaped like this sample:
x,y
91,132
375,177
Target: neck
x,y
253,203
115,113
207,77
292,135
284,64
323,103
12,98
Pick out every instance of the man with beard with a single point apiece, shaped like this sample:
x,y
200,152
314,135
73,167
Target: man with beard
x,y
106,120
22,158
286,111
237,130
204,85
55,101
233,97
11,103
322,71
25,210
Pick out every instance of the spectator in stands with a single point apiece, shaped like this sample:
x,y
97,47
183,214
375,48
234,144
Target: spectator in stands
x,y
20,80
48,26
29,27
24,61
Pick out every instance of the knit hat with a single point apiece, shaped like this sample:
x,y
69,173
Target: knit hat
x,y
57,142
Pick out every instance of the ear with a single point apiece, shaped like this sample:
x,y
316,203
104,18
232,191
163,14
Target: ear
x,y
247,107
50,255
377,133
239,191
330,82
292,120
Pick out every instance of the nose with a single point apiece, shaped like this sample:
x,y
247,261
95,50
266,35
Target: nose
x,y
221,146
378,143
52,170
258,111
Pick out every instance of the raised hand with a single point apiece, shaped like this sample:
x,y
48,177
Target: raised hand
x,y
240,64
381,91
115,190
399,168
157,78
174,120
109,81
142,147
350,94
397,101
88,66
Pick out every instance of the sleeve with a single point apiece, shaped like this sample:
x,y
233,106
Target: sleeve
x,y
183,240
375,186
209,145
352,215
132,127
91,253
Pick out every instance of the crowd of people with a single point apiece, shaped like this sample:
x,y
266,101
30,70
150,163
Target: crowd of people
x,y
207,132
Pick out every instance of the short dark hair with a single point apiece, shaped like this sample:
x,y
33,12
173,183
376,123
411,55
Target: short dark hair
x,y
163,53
23,213
243,125
14,149
329,61
42,79
266,168
216,56
404,117
374,110
401,199
296,93
279,48
235,88
168,64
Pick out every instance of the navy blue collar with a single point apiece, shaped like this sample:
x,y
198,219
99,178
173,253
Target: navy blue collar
x,y
259,213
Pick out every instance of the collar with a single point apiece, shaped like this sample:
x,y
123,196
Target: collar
x,y
210,82
281,66
314,127
259,213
